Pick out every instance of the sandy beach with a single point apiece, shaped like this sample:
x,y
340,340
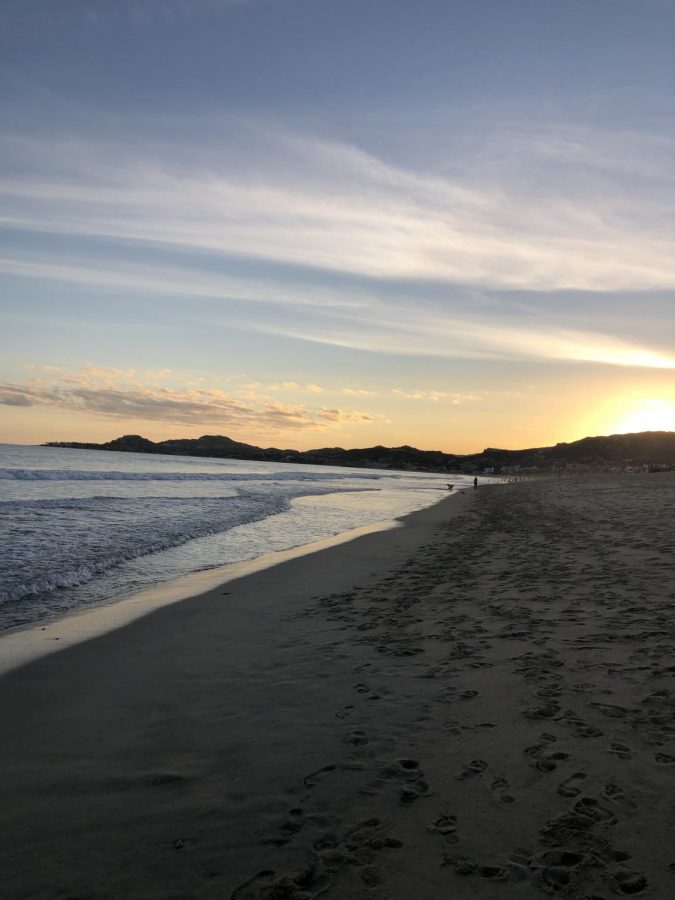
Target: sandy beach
x,y
477,704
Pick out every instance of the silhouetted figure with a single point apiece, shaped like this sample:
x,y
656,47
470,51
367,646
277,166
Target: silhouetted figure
x,y
475,483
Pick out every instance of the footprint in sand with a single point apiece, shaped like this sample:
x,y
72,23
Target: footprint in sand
x,y
557,867
584,730
614,794
364,689
475,767
571,787
311,780
628,882
307,882
500,791
549,692
446,826
549,761
589,806
495,873
466,866
546,711
290,826
545,762
407,771
620,750
368,835
611,710
357,848
665,759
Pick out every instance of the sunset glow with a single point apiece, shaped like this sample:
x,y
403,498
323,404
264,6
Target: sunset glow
x,y
337,449
420,213
648,415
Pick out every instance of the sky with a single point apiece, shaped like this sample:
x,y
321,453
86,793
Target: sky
x,y
310,223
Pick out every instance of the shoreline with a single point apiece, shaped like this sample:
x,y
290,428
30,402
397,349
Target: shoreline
x,y
25,643
478,704
204,698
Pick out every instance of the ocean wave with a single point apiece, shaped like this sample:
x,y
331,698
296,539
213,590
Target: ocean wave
x,y
89,545
78,475
55,543
91,502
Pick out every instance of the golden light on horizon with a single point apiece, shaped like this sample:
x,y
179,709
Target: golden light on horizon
x,y
649,414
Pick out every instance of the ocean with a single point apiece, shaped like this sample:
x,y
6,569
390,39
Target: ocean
x,y
79,527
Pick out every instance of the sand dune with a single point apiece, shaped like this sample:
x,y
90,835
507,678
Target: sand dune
x,y
479,704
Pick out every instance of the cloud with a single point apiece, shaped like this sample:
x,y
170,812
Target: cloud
x,y
313,202
358,392
468,325
452,397
258,388
319,240
168,280
343,415
433,396
16,395
114,394
404,331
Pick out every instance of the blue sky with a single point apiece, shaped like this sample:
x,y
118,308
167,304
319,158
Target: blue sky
x,y
307,223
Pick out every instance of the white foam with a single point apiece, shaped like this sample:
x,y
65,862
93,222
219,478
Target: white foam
x,y
85,475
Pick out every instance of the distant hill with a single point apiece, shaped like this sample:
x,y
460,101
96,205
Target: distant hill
x,y
647,448
654,449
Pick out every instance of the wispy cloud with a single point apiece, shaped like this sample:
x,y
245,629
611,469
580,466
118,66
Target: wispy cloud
x,y
454,398
170,280
332,205
368,254
404,330
466,326
125,394
358,392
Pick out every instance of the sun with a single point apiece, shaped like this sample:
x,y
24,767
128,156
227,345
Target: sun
x,y
653,414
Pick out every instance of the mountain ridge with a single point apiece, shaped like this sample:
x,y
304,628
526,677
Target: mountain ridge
x,y
652,449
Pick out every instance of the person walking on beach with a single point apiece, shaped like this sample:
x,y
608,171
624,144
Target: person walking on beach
x,y
475,482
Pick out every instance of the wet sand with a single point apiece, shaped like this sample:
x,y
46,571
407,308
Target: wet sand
x,y
479,704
